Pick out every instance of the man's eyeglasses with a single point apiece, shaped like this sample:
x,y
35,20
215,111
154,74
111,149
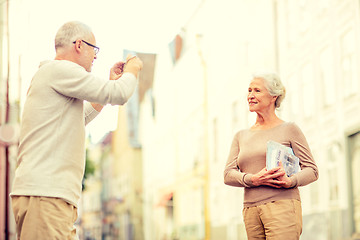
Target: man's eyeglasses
x,y
96,49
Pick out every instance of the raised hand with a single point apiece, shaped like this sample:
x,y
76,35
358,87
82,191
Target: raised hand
x,y
117,70
133,65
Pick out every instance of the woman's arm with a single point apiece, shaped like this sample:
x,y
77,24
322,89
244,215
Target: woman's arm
x,y
309,171
234,177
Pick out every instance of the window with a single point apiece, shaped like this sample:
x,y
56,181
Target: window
x,y
235,116
333,155
308,90
354,144
327,76
348,63
293,19
305,15
293,96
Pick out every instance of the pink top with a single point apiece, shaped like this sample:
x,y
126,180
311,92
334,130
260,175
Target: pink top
x,y
248,156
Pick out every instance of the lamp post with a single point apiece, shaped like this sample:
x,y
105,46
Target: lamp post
x,y
5,128
206,143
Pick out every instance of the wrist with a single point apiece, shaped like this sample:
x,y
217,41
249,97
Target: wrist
x,y
293,181
134,70
98,107
251,179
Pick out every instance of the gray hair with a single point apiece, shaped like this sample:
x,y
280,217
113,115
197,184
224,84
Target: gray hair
x,y
273,84
71,31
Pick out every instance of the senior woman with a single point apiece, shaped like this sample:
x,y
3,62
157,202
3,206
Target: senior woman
x,y
272,206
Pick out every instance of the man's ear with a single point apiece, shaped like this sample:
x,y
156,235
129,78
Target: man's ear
x,y
77,46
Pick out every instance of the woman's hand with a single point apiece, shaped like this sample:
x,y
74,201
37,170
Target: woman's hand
x,y
275,177
268,177
284,180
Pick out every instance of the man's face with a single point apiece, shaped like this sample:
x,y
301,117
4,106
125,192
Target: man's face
x,y
88,54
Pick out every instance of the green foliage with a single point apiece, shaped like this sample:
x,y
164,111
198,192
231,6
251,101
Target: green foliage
x,y
89,169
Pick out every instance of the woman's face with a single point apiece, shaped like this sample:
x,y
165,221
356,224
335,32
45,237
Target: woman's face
x,y
259,98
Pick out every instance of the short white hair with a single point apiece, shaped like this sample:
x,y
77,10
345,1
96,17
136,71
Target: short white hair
x,y
273,84
70,32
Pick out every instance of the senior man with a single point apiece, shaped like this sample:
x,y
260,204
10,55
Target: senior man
x,y
51,156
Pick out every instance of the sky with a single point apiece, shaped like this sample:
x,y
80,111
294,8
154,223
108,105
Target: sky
x,y
138,25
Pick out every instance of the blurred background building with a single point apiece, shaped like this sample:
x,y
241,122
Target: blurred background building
x,y
159,174
10,94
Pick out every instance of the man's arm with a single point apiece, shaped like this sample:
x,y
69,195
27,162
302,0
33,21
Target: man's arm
x,y
98,107
91,110
132,65
118,69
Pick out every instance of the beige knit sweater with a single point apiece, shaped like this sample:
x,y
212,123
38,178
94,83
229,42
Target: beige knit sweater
x,y
248,156
51,155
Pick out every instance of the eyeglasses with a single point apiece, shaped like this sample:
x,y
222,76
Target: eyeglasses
x,y
96,49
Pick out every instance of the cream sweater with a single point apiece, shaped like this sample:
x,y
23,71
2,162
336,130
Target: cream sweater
x,y
248,156
51,154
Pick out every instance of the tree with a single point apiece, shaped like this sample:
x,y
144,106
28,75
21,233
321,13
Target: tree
x,y
89,169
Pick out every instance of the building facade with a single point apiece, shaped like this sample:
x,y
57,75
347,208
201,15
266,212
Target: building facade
x,y
111,206
162,177
200,102
3,110
319,60
10,84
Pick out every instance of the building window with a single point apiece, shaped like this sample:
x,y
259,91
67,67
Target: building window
x,y
354,145
305,15
333,155
327,76
293,97
293,19
315,189
235,116
314,195
308,94
348,63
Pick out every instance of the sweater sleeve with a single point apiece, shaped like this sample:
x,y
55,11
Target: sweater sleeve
x,y
72,80
232,175
89,112
309,171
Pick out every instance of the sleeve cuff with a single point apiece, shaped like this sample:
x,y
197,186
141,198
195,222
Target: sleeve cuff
x,y
293,181
247,180
129,75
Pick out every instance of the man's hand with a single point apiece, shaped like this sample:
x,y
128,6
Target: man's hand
x,y
133,65
117,70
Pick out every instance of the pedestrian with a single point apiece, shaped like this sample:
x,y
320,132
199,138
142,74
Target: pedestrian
x,y
62,98
272,205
